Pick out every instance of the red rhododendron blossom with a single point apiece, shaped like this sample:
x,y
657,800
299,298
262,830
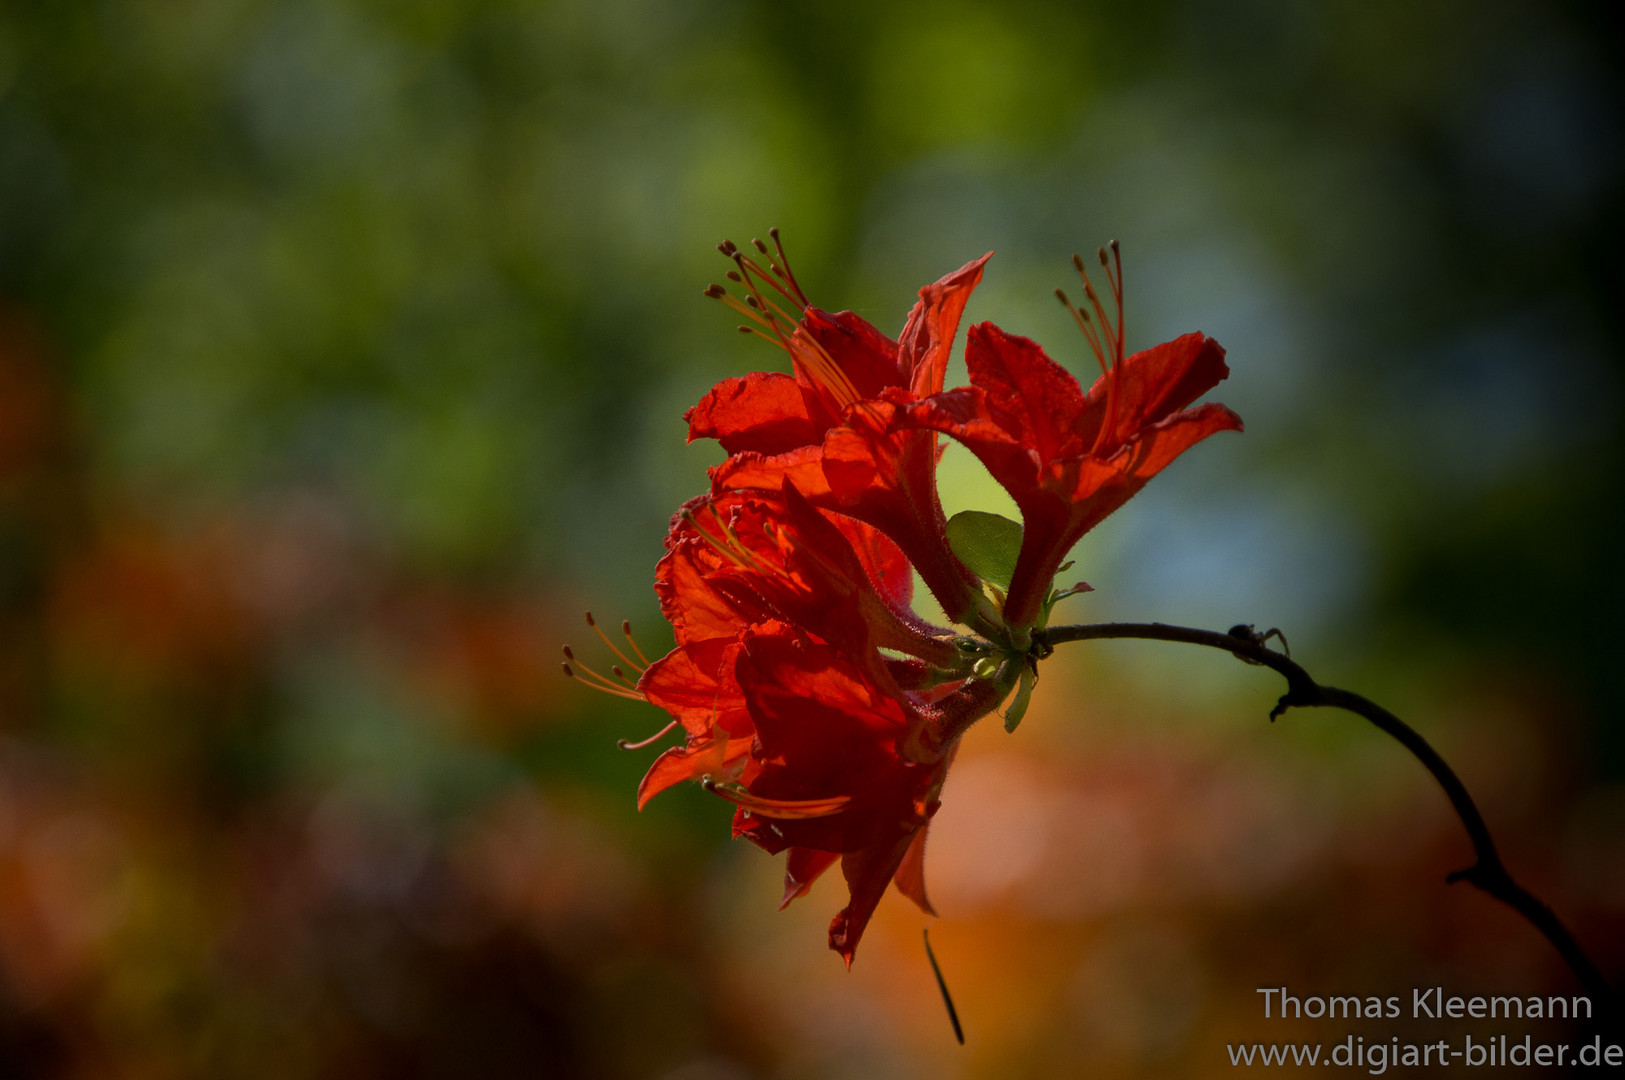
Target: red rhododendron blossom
x,y
810,694
828,426
790,708
1068,458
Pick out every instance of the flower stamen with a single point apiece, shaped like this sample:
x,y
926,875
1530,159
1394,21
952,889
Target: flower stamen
x,y
627,660
594,681
753,270
729,546
735,550
717,292
626,744
807,354
1113,341
626,629
782,268
1109,339
783,809
822,369
1081,317
620,686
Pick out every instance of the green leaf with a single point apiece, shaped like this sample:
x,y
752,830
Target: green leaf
x,y
987,543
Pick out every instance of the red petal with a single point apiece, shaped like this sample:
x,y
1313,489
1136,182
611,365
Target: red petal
x,y
1084,491
834,572
749,471
690,763
763,411
693,606
1028,394
910,876
802,867
965,414
868,357
814,711
1102,487
696,685
1153,385
883,561
854,463
867,872
928,336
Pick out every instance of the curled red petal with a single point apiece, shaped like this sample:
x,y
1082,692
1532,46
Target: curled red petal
x,y
868,871
910,876
707,757
884,562
803,467
763,412
1151,387
802,867
928,336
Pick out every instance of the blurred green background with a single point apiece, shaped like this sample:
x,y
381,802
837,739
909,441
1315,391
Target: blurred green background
x,y
343,350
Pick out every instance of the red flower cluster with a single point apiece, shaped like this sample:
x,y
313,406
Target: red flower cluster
x,y
811,694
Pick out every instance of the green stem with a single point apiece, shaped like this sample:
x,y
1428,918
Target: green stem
x,y
1487,873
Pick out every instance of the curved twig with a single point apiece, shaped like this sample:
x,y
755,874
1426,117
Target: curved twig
x,y
1487,873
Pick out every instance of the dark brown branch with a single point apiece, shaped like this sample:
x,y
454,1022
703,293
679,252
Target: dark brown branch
x,y
1487,873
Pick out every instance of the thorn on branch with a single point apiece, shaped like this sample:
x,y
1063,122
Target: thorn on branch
x,y
1298,696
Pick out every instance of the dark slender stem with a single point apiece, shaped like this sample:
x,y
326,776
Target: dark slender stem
x,y
1487,873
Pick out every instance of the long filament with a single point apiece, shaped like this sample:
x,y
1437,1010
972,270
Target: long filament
x,y
764,311
624,658
626,628
591,679
650,741
1110,337
783,809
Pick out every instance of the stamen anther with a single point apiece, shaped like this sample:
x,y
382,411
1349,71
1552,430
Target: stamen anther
x,y
775,322
626,629
784,261
591,679
627,660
